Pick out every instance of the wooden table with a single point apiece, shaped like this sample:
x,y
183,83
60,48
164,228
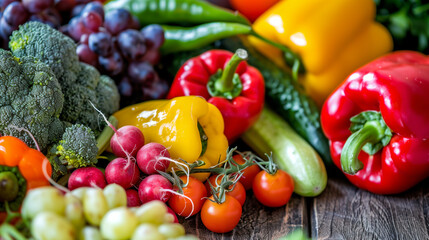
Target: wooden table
x,y
342,211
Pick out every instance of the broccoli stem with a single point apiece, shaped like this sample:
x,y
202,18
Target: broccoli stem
x,y
103,141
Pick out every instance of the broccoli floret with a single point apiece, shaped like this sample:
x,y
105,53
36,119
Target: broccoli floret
x,y
83,93
30,98
79,81
77,148
107,95
49,46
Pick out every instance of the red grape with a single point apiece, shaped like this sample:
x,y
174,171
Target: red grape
x,y
112,65
92,20
141,72
154,35
36,6
117,20
94,7
65,5
132,44
86,55
101,43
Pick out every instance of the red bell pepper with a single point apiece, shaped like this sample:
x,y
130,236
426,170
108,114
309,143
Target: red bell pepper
x,y
377,122
225,80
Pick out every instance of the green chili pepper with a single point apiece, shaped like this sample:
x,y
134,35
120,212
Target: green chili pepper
x,y
176,11
179,39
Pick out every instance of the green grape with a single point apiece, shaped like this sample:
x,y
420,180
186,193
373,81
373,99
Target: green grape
x,y
51,226
168,218
74,211
43,199
90,233
171,230
115,196
147,231
80,192
152,212
94,206
118,223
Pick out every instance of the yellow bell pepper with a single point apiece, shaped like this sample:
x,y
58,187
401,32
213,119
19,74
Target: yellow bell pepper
x,y
332,37
174,124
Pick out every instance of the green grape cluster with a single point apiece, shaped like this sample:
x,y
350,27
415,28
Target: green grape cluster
x,y
90,213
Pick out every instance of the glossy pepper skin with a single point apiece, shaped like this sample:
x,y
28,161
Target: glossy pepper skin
x,y
333,38
239,112
174,123
26,165
393,90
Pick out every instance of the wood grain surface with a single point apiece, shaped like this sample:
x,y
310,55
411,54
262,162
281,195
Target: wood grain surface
x,y
342,211
346,212
257,221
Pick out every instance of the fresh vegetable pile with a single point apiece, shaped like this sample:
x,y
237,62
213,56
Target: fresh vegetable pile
x,y
119,120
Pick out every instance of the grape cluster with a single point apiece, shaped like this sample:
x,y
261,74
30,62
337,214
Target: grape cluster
x,y
94,213
114,43
52,12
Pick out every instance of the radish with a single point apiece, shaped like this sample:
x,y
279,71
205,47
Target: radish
x,y
123,172
152,157
155,187
126,141
86,177
133,199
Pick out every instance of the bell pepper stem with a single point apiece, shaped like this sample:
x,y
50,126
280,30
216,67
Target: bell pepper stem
x,y
226,83
371,132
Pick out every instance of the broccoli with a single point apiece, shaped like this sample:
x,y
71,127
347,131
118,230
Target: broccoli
x,y
49,46
78,148
79,82
30,98
107,94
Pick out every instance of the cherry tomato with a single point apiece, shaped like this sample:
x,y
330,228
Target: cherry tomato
x,y
221,218
252,9
195,190
249,173
273,190
238,192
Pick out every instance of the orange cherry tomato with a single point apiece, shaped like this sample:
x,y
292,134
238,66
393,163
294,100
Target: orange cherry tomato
x,y
195,190
249,173
221,218
252,9
238,192
273,190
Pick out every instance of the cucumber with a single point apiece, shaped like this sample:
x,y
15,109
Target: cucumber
x,y
272,134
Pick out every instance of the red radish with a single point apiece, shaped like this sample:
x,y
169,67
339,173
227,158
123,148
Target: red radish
x,y
155,187
169,210
133,199
149,158
86,177
124,172
126,140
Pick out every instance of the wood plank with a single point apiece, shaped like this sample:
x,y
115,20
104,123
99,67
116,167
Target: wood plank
x,y
257,221
346,212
